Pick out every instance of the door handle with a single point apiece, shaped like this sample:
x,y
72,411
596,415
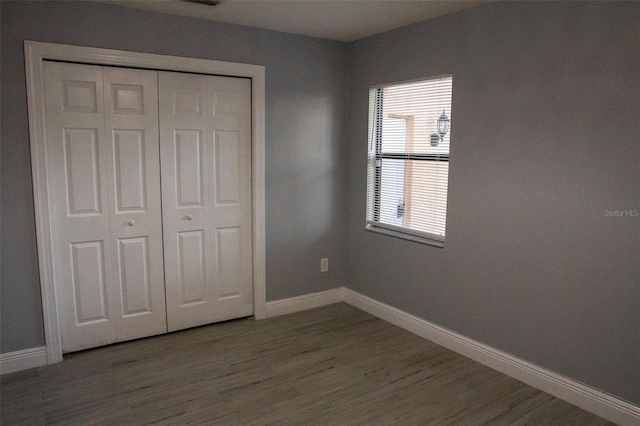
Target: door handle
x,y
189,217
131,223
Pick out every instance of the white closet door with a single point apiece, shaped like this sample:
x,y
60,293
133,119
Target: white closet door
x,y
79,204
205,134
133,158
102,143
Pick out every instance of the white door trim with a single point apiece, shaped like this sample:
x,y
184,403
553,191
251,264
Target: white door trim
x,y
35,54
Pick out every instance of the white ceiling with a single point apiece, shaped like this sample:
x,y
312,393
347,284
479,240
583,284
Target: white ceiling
x,y
342,20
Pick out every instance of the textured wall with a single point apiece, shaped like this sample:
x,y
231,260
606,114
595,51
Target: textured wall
x,y
546,138
306,84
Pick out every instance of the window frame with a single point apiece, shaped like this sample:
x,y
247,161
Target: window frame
x,y
375,161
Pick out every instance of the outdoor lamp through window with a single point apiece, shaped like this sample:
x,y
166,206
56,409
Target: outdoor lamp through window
x,y
443,125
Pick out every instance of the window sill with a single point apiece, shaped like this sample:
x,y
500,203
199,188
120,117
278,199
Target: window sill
x,y
406,236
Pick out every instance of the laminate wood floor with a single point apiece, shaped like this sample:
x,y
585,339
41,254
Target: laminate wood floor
x,y
334,365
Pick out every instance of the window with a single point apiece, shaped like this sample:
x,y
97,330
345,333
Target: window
x,y
409,160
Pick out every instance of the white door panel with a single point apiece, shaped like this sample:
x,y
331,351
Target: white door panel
x,y
206,189
192,279
77,176
102,163
134,276
183,153
89,285
228,262
189,167
133,152
231,195
83,180
129,163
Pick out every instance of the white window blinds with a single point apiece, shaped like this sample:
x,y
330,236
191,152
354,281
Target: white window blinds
x,y
408,159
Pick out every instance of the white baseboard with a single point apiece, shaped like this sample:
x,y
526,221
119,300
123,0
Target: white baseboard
x,y
23,360
304,302
578,394
585,397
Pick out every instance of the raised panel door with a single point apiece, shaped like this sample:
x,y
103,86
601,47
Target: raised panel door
x,y
135,211
78,196
230,192
205,134
104,188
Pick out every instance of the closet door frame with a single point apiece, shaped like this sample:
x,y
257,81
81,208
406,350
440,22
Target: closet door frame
x,y
35,54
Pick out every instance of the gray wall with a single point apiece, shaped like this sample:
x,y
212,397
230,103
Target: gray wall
x,y
306,84
545,137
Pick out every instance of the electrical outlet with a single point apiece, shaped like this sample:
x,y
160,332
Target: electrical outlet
x,y
324,264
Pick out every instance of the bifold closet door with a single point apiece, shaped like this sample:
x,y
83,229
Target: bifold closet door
x,y
104,194
205,138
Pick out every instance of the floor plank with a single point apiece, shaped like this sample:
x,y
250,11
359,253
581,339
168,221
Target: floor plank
x,y
334,365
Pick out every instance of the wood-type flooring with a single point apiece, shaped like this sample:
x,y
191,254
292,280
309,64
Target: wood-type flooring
x,y
334,365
